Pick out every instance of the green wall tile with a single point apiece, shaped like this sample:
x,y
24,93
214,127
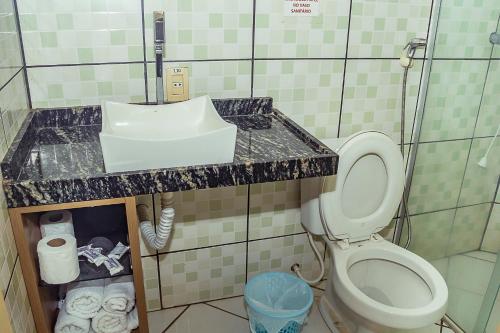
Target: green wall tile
x,y
372,97
491,241
64,21
468,229
207,217
279,254
278,36
55,35
464,27
489,116
196,30
299,90
437,177
228,79
381,28
453,99
218,272
48,39
86,85
430,234
480,183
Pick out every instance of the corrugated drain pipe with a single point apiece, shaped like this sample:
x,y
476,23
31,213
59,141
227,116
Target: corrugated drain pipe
x,y
158,239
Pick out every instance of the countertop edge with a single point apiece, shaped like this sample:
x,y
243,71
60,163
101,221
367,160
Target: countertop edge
x,y
56,191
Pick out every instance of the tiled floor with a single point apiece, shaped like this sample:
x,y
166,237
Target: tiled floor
x,y
229,316
467,276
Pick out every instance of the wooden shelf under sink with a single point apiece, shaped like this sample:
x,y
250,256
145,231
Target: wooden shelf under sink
x,y
43,297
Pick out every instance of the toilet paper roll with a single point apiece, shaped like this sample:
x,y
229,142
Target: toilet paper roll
x,y
58,259
57,223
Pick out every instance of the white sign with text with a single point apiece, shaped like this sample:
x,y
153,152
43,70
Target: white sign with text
x,y
301,8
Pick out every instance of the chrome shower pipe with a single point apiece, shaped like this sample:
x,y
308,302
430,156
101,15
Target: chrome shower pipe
x,y
417,127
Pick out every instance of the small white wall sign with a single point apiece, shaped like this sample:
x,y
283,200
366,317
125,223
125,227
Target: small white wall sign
x,y
301,7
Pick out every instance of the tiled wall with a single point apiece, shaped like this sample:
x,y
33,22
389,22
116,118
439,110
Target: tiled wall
x,y
451,194
13,107
334,74
221,238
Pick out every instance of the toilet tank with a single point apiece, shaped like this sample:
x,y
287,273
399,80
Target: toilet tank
x,y
310,190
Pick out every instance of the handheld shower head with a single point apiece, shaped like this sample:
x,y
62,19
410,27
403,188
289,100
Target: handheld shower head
x,y
409,50
483,162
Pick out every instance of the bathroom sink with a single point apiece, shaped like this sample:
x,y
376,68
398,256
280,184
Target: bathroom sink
x,y
139,137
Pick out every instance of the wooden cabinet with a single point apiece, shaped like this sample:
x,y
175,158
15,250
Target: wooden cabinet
x,y
25,225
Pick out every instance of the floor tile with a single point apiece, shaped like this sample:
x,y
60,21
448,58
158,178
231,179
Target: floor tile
x,y
464,307
441,265
470,274
429,329
321,285
234,305
204,318
159,320
315,323
494,320
483,255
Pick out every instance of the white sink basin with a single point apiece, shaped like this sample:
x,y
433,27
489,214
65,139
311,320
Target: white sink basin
x,y
139,137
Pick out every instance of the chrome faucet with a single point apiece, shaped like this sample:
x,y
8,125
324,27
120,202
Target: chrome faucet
x,y
159,41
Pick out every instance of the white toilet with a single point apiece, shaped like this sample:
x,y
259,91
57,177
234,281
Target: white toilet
x,y
373,284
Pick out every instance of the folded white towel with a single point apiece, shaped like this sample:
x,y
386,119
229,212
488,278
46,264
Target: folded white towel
x,y
119,294
133,319
67,323
107,322
84,299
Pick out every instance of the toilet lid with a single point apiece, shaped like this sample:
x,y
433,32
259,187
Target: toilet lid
x,y
363,197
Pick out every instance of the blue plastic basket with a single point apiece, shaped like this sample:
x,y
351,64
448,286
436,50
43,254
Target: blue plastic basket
x,y
277,303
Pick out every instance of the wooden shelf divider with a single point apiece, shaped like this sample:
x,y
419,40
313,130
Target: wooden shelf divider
x,y
44,299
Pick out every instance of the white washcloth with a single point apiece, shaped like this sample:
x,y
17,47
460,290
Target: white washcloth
x,y
84,299
107,322
67,323
133,319
119,294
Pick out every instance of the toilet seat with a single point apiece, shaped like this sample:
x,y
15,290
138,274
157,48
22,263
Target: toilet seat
x,y
368,189
400,317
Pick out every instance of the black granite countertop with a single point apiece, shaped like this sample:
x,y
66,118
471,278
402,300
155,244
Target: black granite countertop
x,y
56,157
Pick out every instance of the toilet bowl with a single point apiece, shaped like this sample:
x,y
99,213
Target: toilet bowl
x,y
373,284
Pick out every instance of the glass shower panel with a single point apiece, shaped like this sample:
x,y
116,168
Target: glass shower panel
x,y
488,320
452,197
